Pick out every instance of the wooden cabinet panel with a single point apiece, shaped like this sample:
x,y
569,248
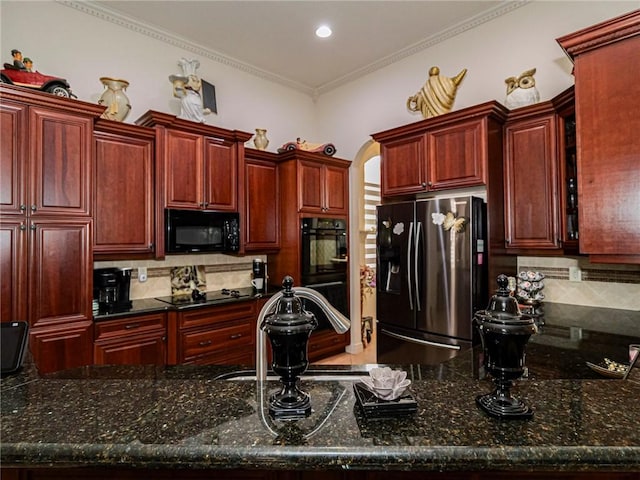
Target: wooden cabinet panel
x,y
13,152
198,344
60,271
183,170
138,340
124,195
531,173
60,177
219,314
336,189
403,166
62,346
457,155
311,187
13,265
262,206
220,175
607,136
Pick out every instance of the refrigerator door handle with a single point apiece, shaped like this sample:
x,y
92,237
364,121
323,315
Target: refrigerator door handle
x,y
415,264
419,341
409,237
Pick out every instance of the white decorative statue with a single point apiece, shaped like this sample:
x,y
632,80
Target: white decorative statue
x,y
522,90
188,88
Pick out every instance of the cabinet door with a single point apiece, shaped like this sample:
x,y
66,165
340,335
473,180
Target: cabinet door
x,y
531,172
403,166
220,175
60,271
60,347
310,187
60,163
609,148
335,189
262,214
13,265
456,155
124,201
184,170
13,155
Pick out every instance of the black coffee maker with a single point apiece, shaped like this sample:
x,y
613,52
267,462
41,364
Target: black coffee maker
x,y
111,289
259,270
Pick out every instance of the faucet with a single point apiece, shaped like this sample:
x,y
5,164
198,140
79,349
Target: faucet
x,y
338,321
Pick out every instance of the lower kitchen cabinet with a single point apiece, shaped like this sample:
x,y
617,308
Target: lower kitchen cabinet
x,y
138,340
60,347
218,335
325,343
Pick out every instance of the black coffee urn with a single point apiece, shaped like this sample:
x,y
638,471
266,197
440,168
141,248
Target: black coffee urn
x,y
504,332
288,329
111,289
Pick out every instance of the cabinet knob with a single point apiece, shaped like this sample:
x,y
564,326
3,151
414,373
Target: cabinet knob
x,y
23,227
151,246
430,184
32,227
508,240
23,207
424,184
33,208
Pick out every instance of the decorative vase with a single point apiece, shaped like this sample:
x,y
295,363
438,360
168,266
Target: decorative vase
x,y
260,140
114,99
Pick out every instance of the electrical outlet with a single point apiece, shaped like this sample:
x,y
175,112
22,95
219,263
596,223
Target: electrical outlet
x,y
142,274
575,274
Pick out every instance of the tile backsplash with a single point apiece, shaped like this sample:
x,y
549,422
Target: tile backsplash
x,y
221,271
608,286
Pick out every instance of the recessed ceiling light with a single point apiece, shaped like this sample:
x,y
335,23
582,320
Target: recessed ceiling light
x,y
323,31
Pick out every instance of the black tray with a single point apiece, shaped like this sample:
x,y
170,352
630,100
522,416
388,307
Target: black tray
x,y
13,338
374,407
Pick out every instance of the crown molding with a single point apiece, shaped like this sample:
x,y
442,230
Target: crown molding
x,y
108,15
134,25
505,7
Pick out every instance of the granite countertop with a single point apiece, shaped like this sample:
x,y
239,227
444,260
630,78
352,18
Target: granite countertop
x,y
188,417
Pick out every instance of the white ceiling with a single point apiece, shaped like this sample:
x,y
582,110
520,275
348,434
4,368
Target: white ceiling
x,y
276,39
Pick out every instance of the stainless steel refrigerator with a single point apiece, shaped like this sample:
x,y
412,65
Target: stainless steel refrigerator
x,y
431,278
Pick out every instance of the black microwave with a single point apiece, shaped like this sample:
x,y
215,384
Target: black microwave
x,y
189,231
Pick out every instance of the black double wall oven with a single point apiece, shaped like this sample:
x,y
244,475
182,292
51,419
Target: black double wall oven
x,y
324,263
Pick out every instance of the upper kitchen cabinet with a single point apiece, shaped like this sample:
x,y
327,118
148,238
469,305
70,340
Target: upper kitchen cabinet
x,y
198,165
46,154
124,194
607,94
261,201
440,153
531,178
321,182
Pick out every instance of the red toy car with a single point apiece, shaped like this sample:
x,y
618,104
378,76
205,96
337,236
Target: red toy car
x,y
36,80
326,148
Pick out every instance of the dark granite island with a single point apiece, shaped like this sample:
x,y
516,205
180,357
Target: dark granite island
x,y
182,422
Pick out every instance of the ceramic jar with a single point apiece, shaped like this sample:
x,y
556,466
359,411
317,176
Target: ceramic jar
x,y
114,99
260,141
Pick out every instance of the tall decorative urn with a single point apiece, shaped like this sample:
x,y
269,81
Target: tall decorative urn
x,y
114,98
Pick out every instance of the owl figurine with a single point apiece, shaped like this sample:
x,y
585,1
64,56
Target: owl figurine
x,y
522,90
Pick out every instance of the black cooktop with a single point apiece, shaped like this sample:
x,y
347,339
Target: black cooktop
x,y
216,296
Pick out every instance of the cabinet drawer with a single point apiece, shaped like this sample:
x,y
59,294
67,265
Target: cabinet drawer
x,y
130,326
325,343
205,342
216,315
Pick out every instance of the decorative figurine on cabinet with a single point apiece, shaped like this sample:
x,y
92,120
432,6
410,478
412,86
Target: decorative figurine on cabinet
x,y
437,94
522,90
189,89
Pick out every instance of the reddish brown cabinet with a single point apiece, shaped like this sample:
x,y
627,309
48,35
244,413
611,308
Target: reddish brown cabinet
x,y
261,197
46,225
322,187
440,153
136,340
606,64
124,194
221,334
531,179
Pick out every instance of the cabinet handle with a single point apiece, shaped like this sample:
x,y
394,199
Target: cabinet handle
x,y
23,227
235,336
164,338
151,246
32,227
206,204
23,207
430,184
508,240
33,208
131,326
204,343
424,184
201,204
